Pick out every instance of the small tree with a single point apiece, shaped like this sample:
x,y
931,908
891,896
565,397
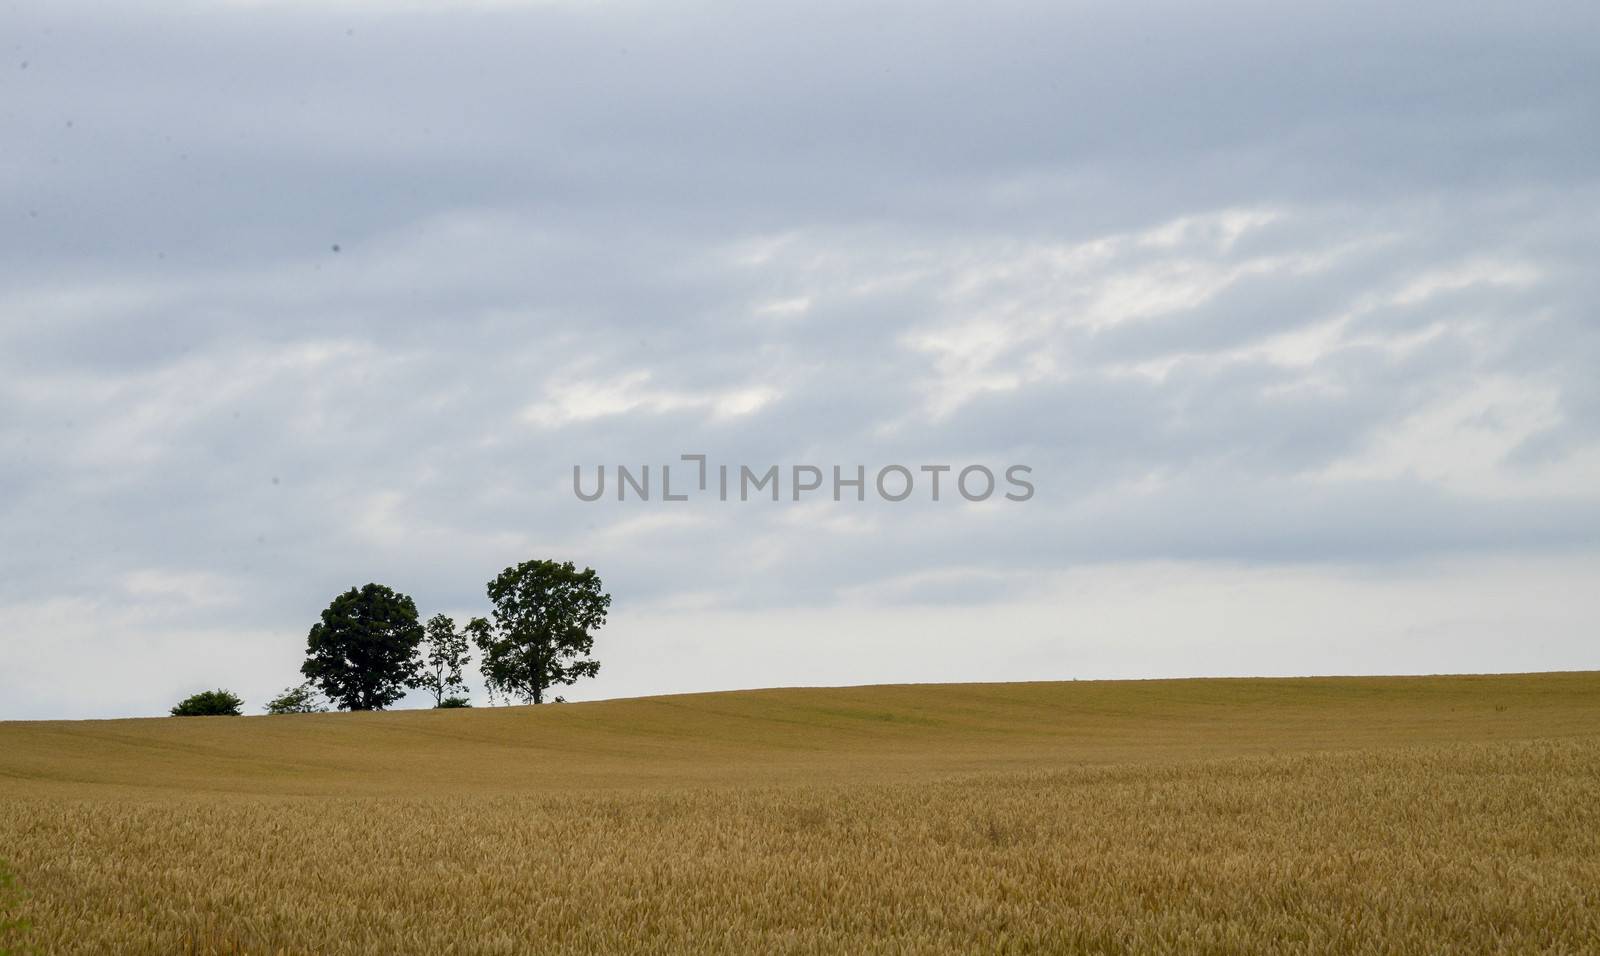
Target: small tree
x,y
541,635
451,703
209,703
303,699
444,654
363,654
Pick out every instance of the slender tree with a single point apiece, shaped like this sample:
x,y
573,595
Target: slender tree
x,y
544,619
362,655
445,653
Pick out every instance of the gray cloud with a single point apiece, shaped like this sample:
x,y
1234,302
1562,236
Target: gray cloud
x,y
1246,287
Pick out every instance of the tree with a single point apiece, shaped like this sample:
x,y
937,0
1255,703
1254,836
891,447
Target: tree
x,y
303,699
209,703
444,657
363,654
544,618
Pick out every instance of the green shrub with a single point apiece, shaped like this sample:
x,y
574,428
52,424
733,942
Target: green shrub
x,y
209,703
449,702
297,700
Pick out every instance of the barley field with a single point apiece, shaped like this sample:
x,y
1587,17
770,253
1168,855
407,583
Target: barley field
x,y
1337,815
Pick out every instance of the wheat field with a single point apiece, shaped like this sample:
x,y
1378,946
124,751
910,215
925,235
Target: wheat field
x,y
1337,815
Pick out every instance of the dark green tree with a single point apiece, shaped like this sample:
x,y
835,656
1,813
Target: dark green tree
x,y
363,653
545,616
303,699
209,703
444,654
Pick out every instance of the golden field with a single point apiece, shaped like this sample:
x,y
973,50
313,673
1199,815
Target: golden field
x,y
1328,815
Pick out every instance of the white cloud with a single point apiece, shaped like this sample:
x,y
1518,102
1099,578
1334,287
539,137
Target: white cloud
x,y
577,401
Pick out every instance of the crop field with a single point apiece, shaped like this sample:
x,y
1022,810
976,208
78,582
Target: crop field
x,y
1327,815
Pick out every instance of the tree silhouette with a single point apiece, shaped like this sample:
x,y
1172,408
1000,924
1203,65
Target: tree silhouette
x,y
444,655
362,655
544,617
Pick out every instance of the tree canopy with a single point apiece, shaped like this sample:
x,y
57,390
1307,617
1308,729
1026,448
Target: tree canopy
x,y
542,629
362,655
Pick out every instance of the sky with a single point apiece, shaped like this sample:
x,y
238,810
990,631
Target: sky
x,y
1289,310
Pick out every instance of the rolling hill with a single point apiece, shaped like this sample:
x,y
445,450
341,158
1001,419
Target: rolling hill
x,y
1329,815
881,733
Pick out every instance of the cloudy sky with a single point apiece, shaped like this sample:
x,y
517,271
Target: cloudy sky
x,y
1291,309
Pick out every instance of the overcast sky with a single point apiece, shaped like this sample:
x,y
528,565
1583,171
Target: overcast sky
x,y
1291,309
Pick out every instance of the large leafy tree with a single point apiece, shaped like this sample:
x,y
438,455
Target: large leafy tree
x,y
545,616
444,656
362,655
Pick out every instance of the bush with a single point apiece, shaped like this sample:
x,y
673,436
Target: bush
x,y
450,702
209,703
297,700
